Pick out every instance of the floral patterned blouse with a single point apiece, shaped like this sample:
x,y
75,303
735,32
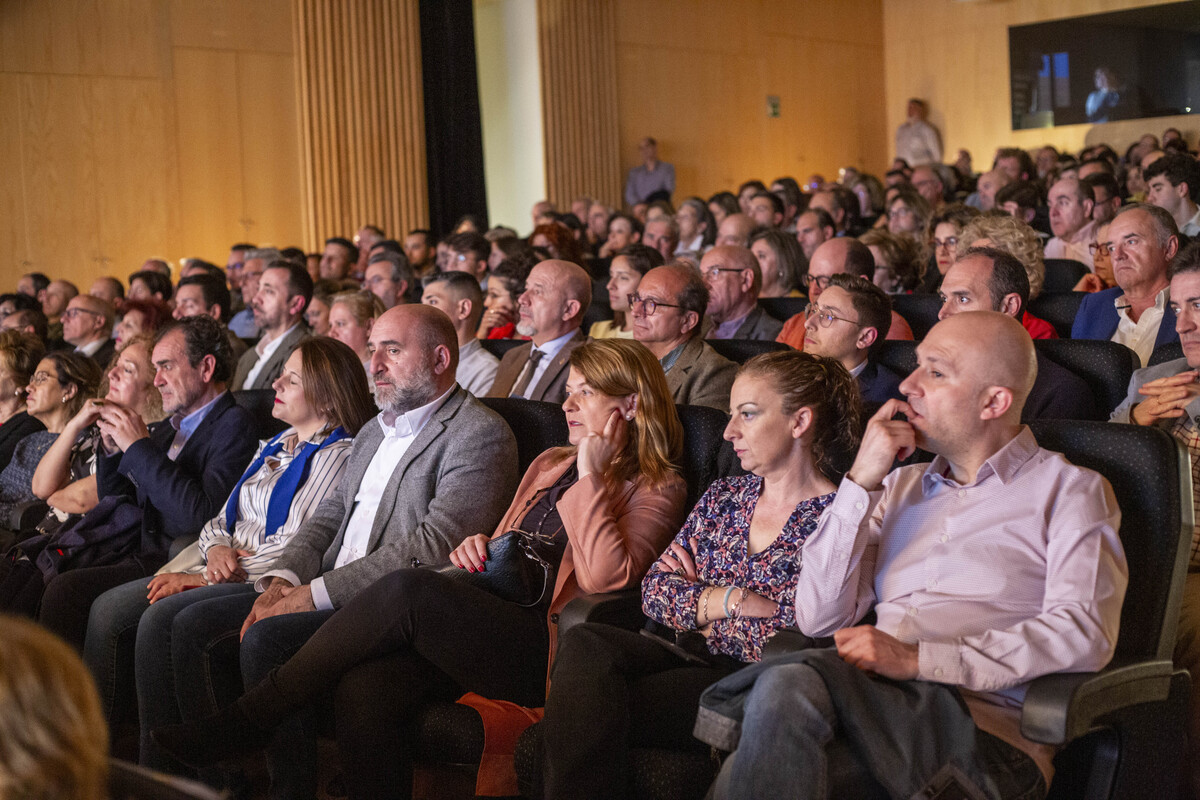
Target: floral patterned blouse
x,y
720,523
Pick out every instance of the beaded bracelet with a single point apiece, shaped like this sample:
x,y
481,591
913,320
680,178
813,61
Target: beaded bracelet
x,y
725,602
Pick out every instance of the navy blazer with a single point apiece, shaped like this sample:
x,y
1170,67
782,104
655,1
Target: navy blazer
x,y
878,383
1097,318
1058,393
178,497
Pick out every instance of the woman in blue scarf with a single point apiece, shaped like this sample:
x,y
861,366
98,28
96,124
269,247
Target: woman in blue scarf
x,y
322,394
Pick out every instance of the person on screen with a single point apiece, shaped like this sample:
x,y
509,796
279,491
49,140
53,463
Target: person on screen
x,y
1100,103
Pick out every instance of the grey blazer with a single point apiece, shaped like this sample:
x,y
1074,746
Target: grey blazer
x,y
701,376
274,366
759,325
455,480
1124,412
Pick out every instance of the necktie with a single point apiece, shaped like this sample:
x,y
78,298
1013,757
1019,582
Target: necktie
x,y
522,386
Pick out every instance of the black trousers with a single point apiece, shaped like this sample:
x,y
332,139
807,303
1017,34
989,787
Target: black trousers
x,y
410,638
612,690
67,599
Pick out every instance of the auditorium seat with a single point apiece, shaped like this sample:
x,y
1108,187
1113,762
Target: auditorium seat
x,y
1105,366
1059,309
260,402
1171,351
131,782
498,347
783,308
538,426
742,350
597,310
1062,274
920,311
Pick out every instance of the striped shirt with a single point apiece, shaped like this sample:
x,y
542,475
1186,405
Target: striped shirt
x,y
249,533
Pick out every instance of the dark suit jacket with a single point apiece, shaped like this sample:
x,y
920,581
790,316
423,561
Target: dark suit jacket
x,y
104,354
1058,393
178,497
1097,318
701,376
274,366
455,480
552,386
878,384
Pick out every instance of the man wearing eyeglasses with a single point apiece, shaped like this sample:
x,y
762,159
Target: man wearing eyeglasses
x,y
734,279
87,326
849,325
667,310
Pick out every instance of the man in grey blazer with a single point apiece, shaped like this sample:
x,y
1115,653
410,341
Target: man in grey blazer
x,y
1168,395
283,293
667,310
734,280
557,293
433,468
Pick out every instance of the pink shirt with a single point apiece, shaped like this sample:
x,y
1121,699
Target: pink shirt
x,y
1017,575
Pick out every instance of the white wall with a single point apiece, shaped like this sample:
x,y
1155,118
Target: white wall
x,y
510,100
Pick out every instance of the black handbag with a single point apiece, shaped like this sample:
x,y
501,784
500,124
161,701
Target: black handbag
x,y
514,570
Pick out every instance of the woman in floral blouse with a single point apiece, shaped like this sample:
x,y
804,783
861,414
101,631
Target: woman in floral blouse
x,y
725,584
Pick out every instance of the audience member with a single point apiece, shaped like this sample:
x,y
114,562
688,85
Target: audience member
x,y
767,210
283,293
813,228
668,310
734,280
20,354
1016,238
899,261
1021,199
722,204
317,313
367,237
204,294
623,230
988,187
735,230
601,510
929,185
945,227
918,142
1143,240
55,739
170,476
848,327
56,391
88,326
1106,194
781,261
663,235
256,260
697,229
28,321
322,396
459,296
987,278
992,490
150,285
650,178
624,274
505,285
33,284
1173,184
110,290
1102,278
433,467
469,253
54,299
908,214
418,249
389,278
795,425
1071,205
550,311
339,258
141,317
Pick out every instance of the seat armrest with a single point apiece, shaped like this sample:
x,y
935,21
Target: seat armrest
x,y
1062,707
25,516
623,609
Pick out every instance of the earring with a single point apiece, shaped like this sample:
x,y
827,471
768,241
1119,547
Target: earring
x,y
64,399
629,416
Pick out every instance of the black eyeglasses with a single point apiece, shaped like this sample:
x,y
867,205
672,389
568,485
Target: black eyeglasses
x,y
648,306
822,281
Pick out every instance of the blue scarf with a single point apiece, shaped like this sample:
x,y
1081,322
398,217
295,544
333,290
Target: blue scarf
x,y
280,502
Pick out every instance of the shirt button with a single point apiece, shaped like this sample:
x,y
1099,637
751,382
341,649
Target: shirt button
x,y
912,612
961,493
944,539
938,672
859,506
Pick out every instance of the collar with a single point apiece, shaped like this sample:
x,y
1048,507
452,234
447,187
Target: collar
x,y
468,348
192,421
1160,300
266,347
854,373
410,423
670,358
91,347
551,348
731,326
1004,464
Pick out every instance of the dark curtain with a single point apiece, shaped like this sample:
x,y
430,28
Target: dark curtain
x,y
453,130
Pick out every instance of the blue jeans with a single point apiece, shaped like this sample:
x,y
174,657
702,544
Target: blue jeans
x,y
790,721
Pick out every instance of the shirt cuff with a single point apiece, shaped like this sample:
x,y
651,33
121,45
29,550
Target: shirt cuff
x,y
940,662
286,574
852,503
320,595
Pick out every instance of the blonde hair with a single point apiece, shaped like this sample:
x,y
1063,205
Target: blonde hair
x,y
1014,237
53,738
620,367
151,410
363,305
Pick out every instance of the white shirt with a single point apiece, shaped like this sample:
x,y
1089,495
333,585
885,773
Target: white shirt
x,y
91,347
917,142
265,350
1192,226
476,368
550,351
1140,336
397,439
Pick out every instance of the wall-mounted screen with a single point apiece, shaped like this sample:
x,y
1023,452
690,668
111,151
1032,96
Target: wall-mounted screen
x,y
1106,67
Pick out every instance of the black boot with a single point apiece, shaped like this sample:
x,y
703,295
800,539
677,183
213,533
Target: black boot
x,y
235,731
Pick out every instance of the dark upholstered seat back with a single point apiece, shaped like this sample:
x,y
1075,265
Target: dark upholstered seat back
x,y
538,426
259,403
1105,366
920,311
742,350
1059,309
1063,273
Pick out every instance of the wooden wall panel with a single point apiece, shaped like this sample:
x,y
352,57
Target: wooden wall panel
x,y
59,174
955,55
270,164
577,40
14,241
208,125
362,120
702,88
